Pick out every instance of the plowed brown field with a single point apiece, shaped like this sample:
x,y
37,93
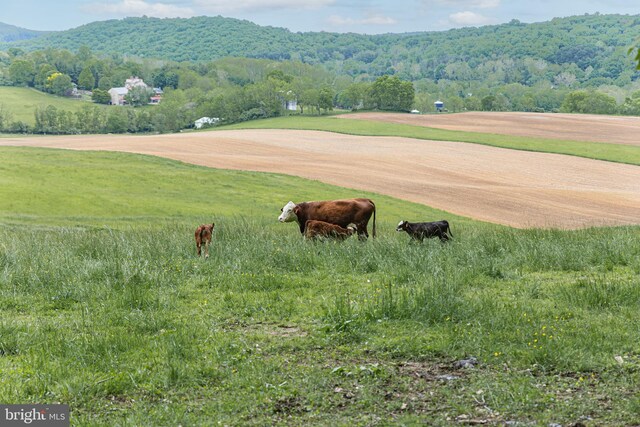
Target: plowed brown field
x,y
575,127
517,188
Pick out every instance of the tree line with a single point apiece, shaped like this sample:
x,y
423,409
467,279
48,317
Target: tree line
x,y
592,48
240,89
233,89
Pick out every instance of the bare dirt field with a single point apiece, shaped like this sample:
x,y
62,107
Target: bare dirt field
x,y
574,127
516,188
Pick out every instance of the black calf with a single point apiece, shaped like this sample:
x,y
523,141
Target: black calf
x,y
422,230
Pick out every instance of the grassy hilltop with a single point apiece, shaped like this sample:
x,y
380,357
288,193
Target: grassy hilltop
x,y
106,307
22,103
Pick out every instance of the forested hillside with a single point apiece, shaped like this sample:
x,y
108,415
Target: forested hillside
x,y
10,33
593,47
238,71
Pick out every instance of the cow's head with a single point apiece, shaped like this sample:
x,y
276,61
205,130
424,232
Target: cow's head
x,y
288,213
402,226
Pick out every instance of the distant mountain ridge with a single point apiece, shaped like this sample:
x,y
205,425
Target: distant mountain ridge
x,y
598,42
11,33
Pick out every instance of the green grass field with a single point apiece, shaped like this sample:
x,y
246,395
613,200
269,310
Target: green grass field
x,y
592,150
22,102
105,306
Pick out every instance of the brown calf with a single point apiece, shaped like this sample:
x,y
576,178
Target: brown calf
x,y
319,229
203,237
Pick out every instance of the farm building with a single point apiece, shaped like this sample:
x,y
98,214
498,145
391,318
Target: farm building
x,y
157,96
118,93
291,105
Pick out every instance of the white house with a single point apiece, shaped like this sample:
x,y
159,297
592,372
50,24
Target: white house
x,y
292,105
118,93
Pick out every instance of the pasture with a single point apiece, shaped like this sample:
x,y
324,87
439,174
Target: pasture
x,y
106,307
22,103
511,187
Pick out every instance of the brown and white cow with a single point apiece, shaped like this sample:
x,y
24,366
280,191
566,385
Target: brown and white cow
x,y
320,229
339,212
203,238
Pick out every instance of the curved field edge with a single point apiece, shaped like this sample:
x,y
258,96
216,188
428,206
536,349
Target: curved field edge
x,y
592,150
63,188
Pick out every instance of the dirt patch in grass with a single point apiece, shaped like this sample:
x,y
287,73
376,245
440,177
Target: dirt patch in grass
x,y
271,329
516,188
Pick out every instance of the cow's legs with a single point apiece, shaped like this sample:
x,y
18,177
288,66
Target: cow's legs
x,y
206,249
362,230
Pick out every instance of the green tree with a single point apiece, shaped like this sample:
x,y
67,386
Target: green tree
x,y
138,96
22,72
84,53
489,103
354,96
90,119
164,78
100,96
454,104
392,94
589,102
175,112
47,120
267,95
59,84
280,75
5,117
219,103
472,103
116,121
106,82
631,105
15,52
325,99
44,72
309,98
86,79
143,121
637,57
19,127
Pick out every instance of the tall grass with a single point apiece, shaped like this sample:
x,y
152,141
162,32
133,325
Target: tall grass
x,y
112,312
98,312
557,299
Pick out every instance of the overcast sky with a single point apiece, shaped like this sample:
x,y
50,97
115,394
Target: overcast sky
x,y
359,16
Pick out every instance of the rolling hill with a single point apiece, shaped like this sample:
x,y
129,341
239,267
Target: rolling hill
x,y
10,33
597,44
23,102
